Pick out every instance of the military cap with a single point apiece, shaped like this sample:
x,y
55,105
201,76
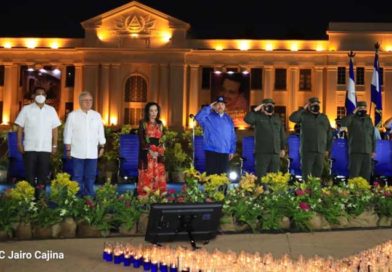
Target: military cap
x,y
361,104
314,100
267,101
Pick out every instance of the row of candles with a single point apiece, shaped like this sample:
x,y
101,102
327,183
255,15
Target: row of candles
x,y
166,259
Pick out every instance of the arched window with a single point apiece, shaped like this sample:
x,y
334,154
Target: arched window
x,y
135,89
135,97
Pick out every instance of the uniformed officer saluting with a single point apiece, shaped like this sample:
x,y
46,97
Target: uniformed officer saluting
x,y
270,137
316,137
361,141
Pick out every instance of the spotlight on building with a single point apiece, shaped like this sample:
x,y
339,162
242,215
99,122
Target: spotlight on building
x,y
217,72
233,175
30,69
56,71
230,72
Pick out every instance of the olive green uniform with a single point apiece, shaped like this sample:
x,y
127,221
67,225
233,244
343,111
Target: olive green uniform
x,y
316,139
361,145
270,139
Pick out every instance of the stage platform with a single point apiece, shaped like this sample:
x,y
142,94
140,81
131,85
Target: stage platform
x,y
86,254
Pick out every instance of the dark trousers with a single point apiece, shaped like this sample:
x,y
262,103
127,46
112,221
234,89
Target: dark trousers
x,y
266,163
360,165
312,163
216,163
85,172
37,165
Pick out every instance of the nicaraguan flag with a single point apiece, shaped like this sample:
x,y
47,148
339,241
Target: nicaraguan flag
x,y
376,92
351,100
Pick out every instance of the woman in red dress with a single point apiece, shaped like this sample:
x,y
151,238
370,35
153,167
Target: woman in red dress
x,y
152,174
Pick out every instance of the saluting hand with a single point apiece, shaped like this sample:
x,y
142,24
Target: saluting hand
x,y
259,107
282,153
306,106
212,105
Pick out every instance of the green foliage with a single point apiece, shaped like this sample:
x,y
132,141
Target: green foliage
x,y
127,210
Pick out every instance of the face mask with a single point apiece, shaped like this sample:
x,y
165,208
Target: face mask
x,y
269,108
315,108
40,99
361,113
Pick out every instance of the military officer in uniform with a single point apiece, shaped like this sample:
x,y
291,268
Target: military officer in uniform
x,y
315,135
361,141
270,137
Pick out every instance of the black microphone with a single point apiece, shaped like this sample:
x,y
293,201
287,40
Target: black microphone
x,y
191,116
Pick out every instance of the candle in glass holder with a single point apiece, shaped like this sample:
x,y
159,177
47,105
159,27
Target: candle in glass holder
x,y
137,262
127,259
154,266
118,253
146,264
173,268
163,267
107,254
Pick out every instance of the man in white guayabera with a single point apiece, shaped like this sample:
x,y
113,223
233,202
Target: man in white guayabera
x,y
37,138
84,139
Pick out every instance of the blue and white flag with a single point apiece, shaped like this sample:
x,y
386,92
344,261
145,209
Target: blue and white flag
x,y
376,92
351,99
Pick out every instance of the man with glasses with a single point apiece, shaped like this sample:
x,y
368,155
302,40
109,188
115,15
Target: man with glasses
x,y
84,139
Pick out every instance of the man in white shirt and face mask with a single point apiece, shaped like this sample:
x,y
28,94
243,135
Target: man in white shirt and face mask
x,y
37,138
84,139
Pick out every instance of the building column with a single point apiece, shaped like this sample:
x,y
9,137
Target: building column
x,y
78,86
10,89
268,81
154,83
163,95
330,92
63,91
194,89
104,86
292,88
387,93
318,83
115,95
176,95
90,82
185,96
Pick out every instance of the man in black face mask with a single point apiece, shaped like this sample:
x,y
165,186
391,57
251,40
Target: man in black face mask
x,y
316,137
361,141
270,138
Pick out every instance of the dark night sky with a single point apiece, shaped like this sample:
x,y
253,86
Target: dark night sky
x,y
208,18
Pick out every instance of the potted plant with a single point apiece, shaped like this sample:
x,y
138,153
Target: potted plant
x,y
46,220
23,198
127,210
63,194
8,212
95,216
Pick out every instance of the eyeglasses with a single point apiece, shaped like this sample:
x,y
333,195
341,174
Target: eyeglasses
x,y
86,100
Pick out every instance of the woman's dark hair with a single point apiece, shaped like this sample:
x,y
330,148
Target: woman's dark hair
x,y
147,109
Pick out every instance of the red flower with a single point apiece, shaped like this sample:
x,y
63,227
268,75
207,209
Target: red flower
x,y
171,191
89,203
181,199
299,192
154,148
376,184
40,187
387,194
304,206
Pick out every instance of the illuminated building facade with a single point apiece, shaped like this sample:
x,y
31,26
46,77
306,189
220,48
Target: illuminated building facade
x,y
135,54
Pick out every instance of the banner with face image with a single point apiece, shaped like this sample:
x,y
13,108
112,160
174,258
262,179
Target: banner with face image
x,y
235,88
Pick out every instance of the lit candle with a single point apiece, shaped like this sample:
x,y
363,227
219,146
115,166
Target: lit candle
x,y
154,266
107,254
127,259
173,268
146,264
137,262
163,267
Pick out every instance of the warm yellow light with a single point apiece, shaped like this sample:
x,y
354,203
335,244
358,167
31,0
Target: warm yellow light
x,y
332,48
54,45
294,47
113,120
388,48
191,122
6,119
163,120
31,43
7,44
166,36
134,35
103,34
269,47
319,48
243,45
219,47
241,128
